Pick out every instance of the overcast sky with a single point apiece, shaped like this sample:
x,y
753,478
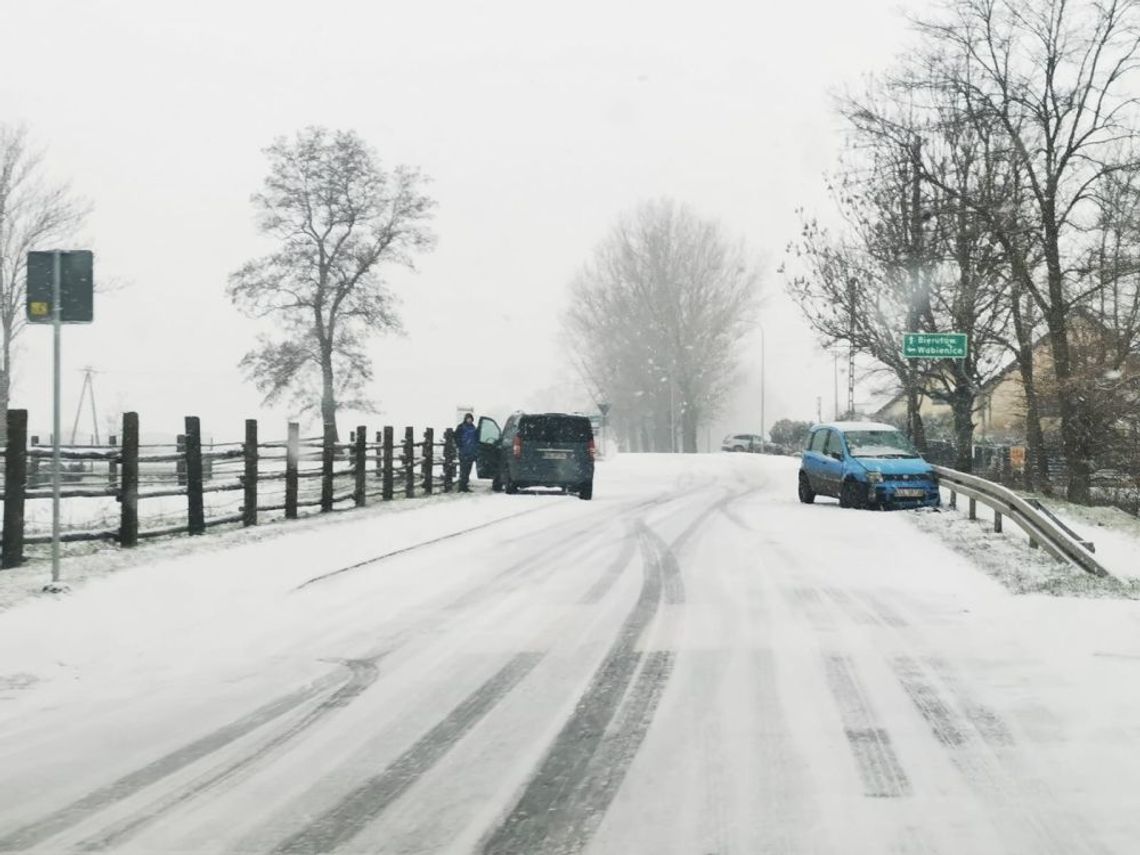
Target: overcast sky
x,y
538,122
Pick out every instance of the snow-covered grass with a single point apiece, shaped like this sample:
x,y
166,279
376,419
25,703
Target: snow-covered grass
x,y
1008,557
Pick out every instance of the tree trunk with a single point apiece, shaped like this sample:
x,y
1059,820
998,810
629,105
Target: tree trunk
x,y
1075,438
962,406
689,425
5,384
915,429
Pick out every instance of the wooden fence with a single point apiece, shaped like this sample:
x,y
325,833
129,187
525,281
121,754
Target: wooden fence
x,y
289,476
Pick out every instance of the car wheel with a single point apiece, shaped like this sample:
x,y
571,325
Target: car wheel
x,y
497,484
852,494
738,448
586,491
807,494
509,486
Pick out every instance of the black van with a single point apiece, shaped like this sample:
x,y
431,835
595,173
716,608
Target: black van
x,y
538,450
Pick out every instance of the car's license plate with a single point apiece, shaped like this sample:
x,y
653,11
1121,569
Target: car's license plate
x,y
555,455
910,493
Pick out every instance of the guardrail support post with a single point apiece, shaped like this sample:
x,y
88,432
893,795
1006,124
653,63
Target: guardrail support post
x,y
292,454
360,467
249,511
953,499
997,522
389,462
196,512
429,458
973,508
409,463
15,486
129,489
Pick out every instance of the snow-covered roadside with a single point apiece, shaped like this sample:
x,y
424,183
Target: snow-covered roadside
x,y
1008,558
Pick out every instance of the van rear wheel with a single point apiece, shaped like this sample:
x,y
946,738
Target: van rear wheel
x,y
586,491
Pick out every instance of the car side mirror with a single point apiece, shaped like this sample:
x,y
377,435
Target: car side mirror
x,y
838,455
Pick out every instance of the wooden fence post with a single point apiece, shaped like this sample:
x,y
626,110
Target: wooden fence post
x,y
380,455
292,453
409,463
448,459
195,508
429,458
15,486
360,467
129,489
328,459
180,466
389,462
112,464
249,511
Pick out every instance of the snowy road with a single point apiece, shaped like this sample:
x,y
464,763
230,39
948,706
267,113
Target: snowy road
x,y
691,663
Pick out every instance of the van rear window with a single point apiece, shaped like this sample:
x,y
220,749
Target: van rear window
x,y
555,429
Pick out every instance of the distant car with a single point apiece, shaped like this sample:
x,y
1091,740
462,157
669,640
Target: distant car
x,y
752,442
865,464
538,450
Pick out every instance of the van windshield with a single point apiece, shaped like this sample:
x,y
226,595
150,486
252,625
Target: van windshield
x,y
879,443
556,429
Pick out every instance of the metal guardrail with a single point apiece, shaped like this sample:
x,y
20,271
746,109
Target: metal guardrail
x,y
1041,526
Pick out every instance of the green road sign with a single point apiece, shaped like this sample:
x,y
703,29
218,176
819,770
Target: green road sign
x,y
76,286
935,345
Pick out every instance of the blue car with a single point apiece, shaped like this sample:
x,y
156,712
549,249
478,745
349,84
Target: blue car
x,y
865,465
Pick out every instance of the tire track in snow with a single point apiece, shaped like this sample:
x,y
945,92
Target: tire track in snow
x,y
1002,791
347,818
611,573
364,674
869,742
673,585
563,801
138,780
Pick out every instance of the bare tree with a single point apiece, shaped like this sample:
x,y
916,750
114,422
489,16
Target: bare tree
x,y
338,216
656,319
1057,76
34,213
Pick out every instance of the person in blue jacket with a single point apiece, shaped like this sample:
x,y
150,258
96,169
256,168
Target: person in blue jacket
x,y
467,444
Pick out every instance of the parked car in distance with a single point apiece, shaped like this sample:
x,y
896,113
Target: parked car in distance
x,y
865,465
538,450
752,442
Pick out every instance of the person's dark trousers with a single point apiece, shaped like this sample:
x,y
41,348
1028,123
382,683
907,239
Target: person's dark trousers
x,y
464,475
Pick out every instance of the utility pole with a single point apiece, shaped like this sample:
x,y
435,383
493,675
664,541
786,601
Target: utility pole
x,y
88,383
835,365
851,292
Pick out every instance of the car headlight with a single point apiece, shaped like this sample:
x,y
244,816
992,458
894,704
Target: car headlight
x,y
874,476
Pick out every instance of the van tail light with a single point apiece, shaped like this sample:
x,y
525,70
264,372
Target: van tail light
x,y
517,447
593,449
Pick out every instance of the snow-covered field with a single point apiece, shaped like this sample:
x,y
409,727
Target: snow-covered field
x,y
692,663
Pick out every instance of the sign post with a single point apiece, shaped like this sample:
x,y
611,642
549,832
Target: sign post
x,y
60,286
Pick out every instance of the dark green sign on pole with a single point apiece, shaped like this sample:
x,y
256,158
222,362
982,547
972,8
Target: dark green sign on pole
x,y
935,345
76,287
